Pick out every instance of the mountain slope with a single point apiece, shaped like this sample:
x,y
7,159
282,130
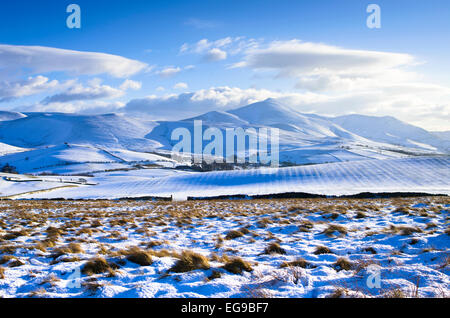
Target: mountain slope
x,y
44,129
391,130
5,115
304,138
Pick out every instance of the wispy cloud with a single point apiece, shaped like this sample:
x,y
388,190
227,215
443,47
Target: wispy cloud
x,y
40,59
27,87
200,23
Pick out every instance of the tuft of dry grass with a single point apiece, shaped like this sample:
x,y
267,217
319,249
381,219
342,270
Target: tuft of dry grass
x,y
322,250
233,234
190,261
274,248
37,293
333,228
343,264
96,265
140,257
394,293
237,265
2,273
300,262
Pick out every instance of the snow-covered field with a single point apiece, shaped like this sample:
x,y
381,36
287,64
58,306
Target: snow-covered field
x,y
420,175
235,248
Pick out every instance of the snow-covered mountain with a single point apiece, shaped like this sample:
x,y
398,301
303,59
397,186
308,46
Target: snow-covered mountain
x,y
393,131
48,129
304,138
5,115
309,138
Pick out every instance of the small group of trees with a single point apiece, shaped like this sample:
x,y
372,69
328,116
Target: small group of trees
x,y
8,169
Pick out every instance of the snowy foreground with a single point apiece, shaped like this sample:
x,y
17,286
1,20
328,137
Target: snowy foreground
x,y
420,175
235,248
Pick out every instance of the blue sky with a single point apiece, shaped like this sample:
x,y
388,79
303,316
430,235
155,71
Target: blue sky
x,y
400,69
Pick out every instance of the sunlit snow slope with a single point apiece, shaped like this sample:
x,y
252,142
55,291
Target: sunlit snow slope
x,y
427,175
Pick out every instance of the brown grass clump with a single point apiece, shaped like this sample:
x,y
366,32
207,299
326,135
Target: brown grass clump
x,y
343,264
394,293
96,265
300,262
322,250
53,231
361,215
402,210
274,248
13,235
37,293
338,293
190,261
233,234
7,258
214,275
2,273
369,250
333,228
237,265
140,257
407,230
71,248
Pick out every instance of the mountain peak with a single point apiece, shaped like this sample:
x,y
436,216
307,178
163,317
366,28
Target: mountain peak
x,y
269,111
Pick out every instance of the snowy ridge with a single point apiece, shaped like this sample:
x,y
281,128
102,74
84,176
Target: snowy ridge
x,y
427,175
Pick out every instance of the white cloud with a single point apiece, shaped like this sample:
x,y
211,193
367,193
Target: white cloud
x,y
215,54
321,67
84,107
39,59
180,85
418,109
180,106
78,92
129,84
219,49
22,88
169,71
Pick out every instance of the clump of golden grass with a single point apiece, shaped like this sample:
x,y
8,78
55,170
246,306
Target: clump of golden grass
x,y
237,265
8,249
52,279
190,261
394,293
361,215
2,273
369,249
343,264
7,258
408,230
333,228
233,234
13,235
338,293
322,250
214,275
306,226
37,293
300,262
96,265
139,257
274,248
91,285
71,248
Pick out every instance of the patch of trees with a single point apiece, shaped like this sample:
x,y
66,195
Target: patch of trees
x,y
8,169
